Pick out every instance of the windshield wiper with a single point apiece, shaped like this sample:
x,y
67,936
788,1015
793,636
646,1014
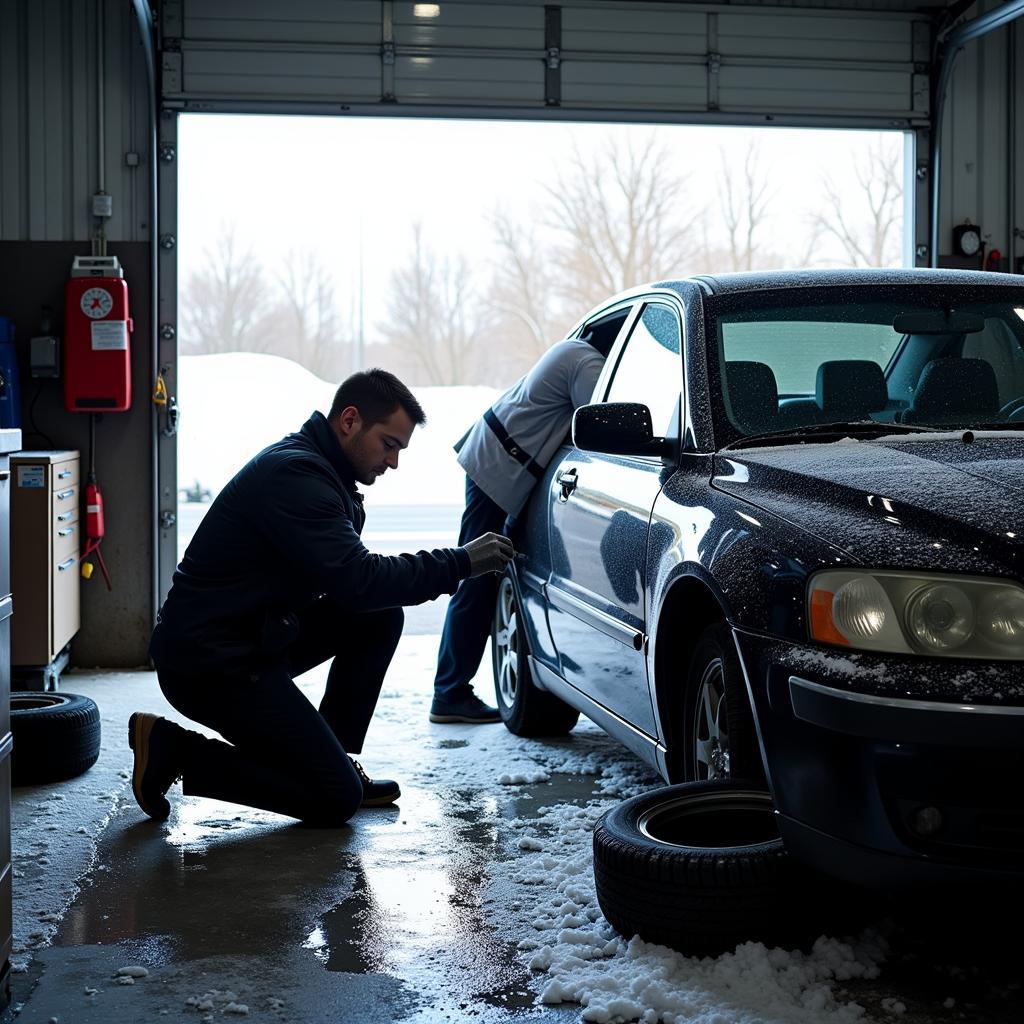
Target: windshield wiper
x,y
824,431
1019,426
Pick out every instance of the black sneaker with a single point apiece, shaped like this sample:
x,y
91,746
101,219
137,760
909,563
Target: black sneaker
x,y
376,792
469,709
156,767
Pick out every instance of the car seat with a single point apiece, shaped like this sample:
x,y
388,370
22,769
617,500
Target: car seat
x,y
753,395
850,389
954,391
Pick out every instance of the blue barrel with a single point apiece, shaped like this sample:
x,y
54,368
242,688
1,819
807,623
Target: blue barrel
x,y
10,388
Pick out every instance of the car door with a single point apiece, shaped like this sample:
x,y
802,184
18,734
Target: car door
x,y
600,510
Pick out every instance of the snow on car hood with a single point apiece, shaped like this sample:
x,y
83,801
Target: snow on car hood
x,y
928,500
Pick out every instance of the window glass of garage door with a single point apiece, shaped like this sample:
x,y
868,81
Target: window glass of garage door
x,y
650,369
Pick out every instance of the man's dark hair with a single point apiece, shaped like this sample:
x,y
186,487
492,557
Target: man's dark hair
x,y
376,394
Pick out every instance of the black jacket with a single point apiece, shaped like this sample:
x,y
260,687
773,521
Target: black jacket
x,y
284,531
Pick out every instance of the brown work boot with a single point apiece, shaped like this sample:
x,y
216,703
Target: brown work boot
x,y
156,762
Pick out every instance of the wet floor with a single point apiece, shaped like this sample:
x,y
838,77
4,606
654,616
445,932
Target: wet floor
x,y
411,913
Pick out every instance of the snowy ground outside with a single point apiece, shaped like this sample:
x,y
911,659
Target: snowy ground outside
x,y
235,404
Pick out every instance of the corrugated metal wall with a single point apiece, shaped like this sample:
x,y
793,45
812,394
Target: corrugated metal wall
x,y
983,140
49,139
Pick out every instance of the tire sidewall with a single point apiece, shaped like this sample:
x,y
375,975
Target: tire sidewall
x,y
716,642
623,820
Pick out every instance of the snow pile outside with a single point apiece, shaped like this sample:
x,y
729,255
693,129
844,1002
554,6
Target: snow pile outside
x,y
235,404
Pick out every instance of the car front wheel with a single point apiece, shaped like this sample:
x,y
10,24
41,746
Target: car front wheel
x,y
525,709
720,739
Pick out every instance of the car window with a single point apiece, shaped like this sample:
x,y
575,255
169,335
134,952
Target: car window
x,y
1001,350
794,349
925,354
650,368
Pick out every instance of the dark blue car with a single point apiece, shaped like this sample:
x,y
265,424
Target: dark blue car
x,y
785,544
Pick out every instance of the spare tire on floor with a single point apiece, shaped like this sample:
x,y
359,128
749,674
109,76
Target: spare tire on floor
x,y
699,867
56,736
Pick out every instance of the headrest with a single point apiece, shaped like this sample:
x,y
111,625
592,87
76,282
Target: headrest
x,y
948,388
753,395
850,388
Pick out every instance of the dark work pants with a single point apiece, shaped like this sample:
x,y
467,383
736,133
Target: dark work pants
x,y
467,623
282,754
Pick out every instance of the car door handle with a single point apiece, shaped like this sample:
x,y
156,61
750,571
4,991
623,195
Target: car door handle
x,y
566,479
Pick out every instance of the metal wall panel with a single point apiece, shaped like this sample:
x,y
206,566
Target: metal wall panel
x,y
49,120
982,141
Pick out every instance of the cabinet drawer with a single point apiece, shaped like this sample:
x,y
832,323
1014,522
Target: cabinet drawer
x,y
66,600
63,516
64,474
66,541
65,498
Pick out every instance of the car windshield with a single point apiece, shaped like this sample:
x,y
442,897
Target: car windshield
x,y
938,357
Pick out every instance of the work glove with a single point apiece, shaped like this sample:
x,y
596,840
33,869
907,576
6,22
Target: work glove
x,y
489,553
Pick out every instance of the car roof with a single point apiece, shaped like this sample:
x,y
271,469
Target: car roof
x,y
762,280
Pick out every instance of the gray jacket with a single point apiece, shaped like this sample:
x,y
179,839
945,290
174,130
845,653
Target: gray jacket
x,y
533,417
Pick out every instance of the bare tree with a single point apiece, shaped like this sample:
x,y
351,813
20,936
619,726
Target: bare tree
x,y
868,224
620,220
435,320
310,326
226,305
744,199
525,313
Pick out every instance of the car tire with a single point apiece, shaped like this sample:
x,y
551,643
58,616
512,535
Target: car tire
x,y
719,737
699,867
56,736
525,709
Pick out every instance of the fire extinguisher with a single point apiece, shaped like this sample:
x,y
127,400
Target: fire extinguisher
x,y
94,528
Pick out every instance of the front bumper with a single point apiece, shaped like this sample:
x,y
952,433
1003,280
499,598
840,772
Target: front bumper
x,y
857,746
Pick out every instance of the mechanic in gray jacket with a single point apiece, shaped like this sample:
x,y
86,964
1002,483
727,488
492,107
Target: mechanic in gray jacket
x,y
504,455
275,581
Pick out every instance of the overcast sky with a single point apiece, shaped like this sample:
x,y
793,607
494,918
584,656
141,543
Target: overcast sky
x,y
302,182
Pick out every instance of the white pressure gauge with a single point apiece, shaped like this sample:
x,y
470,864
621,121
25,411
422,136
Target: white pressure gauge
x,y
96,303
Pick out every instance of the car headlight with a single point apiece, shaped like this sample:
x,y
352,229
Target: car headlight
x,y
905,613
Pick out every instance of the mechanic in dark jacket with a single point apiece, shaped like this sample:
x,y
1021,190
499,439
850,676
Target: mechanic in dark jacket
x,y
275,581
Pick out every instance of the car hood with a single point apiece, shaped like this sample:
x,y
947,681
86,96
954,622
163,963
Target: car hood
x,y
925,500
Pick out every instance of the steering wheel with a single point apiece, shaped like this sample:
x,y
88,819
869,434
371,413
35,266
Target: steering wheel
x,y
1013,411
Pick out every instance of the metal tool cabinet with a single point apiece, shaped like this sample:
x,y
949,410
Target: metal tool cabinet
x,y
45,571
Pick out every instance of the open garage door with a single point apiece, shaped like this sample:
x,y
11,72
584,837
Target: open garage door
x,y
831,63
828,66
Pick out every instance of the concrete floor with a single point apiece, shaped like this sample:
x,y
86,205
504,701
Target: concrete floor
x,y
412,912
396,916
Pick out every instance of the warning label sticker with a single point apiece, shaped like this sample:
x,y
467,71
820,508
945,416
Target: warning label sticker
x,y
30,476
109,335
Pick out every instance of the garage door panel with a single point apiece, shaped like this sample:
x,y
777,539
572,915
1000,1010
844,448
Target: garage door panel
x,y
648,86
308,21
824,64
467,80
283,75
501,25
634,28
809,89
822,37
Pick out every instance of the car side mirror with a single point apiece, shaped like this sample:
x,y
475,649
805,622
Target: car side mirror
x,y
616,428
